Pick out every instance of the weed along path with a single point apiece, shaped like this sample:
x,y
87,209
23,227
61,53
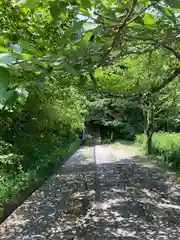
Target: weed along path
x,y
104,192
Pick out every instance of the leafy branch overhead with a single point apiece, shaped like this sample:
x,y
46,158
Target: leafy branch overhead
x,y
78,37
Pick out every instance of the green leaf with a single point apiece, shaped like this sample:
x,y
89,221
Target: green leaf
x,y
173,3
31,3
11,98
3,94
71,70
3,49
77,26
95,58
56,8
4,65
144,1
4,82
167,12
7,57
26,46
135,25
87,36
4,78
149,19
20,100
86,3
89,26
84,12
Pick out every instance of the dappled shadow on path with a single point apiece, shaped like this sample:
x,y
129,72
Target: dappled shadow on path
x,y
133,203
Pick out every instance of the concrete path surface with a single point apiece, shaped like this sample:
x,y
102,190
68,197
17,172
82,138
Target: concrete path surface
x,y
100,193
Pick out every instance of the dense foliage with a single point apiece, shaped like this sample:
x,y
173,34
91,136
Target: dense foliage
x,y
37,135
38,37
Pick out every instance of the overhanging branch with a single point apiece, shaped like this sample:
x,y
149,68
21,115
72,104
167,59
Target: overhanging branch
x,y
151,91
93,80
35,59
120,29
118,95
166,81
176,53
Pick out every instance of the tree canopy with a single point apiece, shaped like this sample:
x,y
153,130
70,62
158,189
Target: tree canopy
x,y
40,37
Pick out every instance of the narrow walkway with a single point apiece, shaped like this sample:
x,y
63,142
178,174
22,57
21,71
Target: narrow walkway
x,y
119,197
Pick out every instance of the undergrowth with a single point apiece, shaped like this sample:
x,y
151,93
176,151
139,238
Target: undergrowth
x,y
166,145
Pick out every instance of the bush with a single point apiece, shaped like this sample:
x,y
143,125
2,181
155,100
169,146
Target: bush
x,y
10,162
13,185
5,147
164,144
36,135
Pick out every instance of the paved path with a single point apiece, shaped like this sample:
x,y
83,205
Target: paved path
x,y
119,197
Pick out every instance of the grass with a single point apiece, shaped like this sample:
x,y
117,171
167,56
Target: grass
x,y
166,146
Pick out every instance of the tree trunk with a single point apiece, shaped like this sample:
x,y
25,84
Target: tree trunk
x,y
112,136
149,128
149,143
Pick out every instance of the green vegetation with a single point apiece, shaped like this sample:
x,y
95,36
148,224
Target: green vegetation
x,y
36,136
13,183
61,61
166,145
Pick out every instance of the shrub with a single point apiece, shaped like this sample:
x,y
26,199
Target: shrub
x,y
12,185
5,147
36,135
9,161
164,144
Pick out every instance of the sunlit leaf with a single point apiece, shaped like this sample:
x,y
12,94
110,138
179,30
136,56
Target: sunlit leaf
x,y
89,26
87,36
84,12
19,99
31,3
4,65
149,19
144,1
3,49
134,24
